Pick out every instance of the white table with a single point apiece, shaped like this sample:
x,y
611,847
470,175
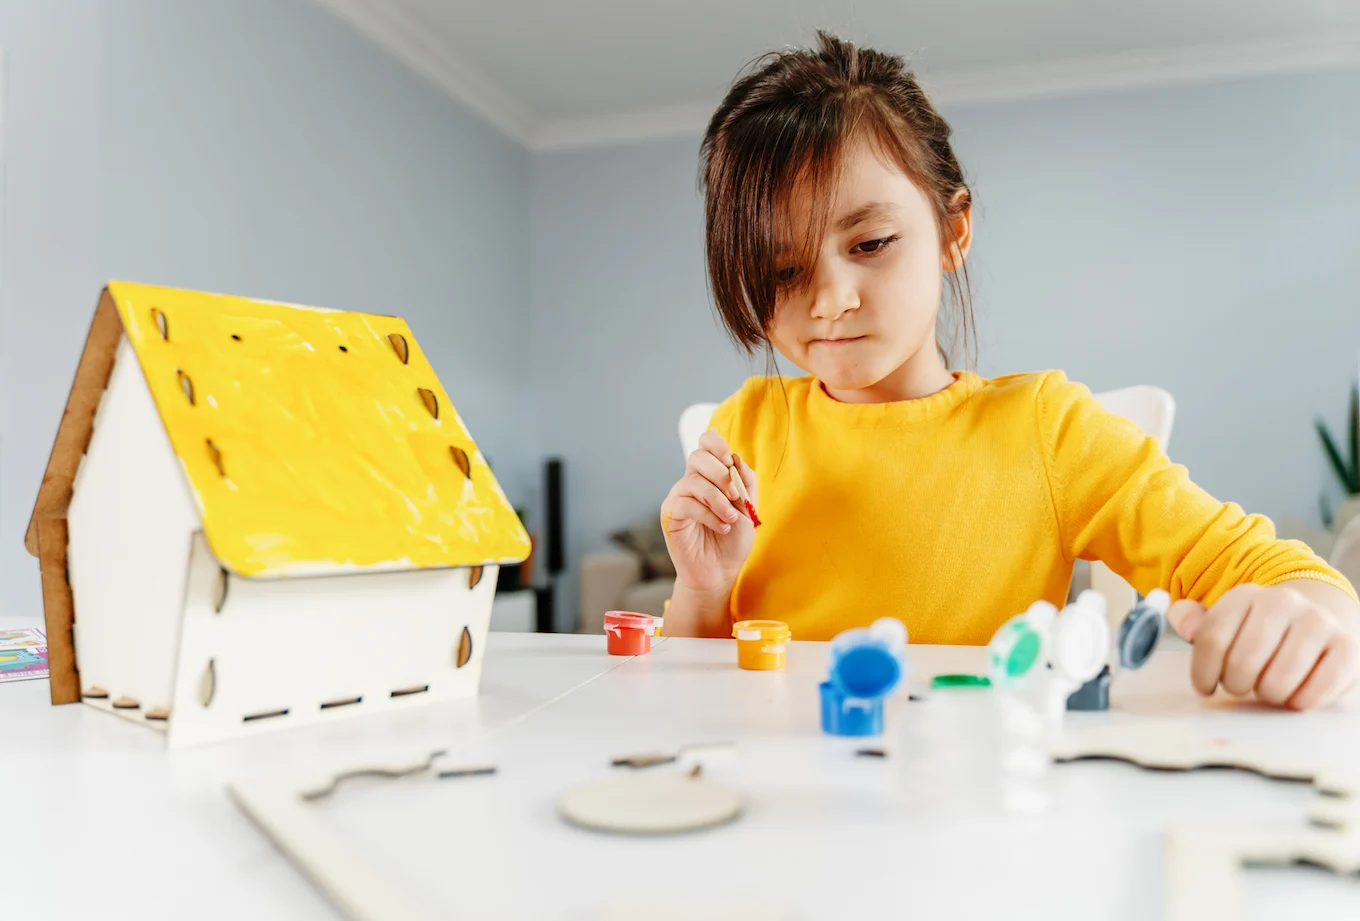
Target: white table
x,y
99,821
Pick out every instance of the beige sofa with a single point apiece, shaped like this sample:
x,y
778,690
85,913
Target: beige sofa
x,y
1346,551
611,580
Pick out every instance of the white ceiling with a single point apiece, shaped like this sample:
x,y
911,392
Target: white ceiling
x,y
567,72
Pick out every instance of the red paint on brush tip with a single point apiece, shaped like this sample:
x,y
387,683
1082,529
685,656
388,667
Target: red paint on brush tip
x,y
751,510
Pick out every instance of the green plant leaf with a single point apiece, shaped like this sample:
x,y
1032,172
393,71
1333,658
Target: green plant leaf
x,y
1338,462
1325,510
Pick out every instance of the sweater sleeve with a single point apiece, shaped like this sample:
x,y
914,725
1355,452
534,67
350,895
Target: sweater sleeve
x,y
1119,499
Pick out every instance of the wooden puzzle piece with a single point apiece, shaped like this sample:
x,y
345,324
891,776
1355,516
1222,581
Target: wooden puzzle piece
x,y
283,810
649,804
1204,863
1168,747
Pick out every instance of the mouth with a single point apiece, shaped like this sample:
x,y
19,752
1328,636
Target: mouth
x,y
844,340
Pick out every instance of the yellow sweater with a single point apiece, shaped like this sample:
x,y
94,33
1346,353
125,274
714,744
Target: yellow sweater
x,y
955,511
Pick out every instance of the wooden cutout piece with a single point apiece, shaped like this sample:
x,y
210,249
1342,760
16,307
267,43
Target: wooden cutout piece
x,y
350,879
216,456
332,704
126,703
695,753
157,713
220,590
162,324
1203,865
73,437
460,457
207,683
474,577
464,654
1172,748
388,772
265,715
649,804
643,761
95,692
430,400
407,692
187,386
400,347
482,771
59,612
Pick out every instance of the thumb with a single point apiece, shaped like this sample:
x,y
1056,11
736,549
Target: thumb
x,y
1185,618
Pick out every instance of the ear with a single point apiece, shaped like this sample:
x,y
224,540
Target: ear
x,y
955,251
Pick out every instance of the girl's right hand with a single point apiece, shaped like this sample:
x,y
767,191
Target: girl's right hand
x,y
708,532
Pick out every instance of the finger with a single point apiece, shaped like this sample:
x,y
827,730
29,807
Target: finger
x,y
1333,675
1214,638
708,466
1185,616
714,444
1299,653
748,476
1261,635
686,510
699,488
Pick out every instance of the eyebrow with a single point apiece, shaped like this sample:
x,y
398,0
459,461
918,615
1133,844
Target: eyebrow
x,y
871,211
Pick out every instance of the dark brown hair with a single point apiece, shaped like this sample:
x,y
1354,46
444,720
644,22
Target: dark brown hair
x,y
785,123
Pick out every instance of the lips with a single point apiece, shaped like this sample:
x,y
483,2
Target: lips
x,y
844,340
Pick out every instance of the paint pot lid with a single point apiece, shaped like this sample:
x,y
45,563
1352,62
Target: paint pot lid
x,y
867,670
1141,629
767,631
628,620
945,682
1080,641
1018,647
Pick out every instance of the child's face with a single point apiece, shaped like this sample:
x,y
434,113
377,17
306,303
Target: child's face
x,y
869,306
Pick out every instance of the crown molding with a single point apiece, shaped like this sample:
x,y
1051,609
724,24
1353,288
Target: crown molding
x,y
1141,70
394,30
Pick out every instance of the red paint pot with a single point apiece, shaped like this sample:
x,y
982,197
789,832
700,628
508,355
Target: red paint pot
x,y
629,634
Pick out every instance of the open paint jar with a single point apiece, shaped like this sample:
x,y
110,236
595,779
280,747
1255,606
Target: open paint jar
x,y
629,634
867,664
761,643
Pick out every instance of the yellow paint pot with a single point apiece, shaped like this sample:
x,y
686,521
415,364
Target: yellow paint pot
x,y
761,643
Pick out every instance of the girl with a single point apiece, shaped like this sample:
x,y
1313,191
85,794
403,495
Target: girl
x,y
835,209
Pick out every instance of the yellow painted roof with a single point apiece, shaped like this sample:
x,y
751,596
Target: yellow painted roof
x,y
315,441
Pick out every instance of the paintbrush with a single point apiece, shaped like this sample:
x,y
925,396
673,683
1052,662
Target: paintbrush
x,y
741,491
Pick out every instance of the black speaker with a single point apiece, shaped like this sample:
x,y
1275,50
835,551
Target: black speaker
x,y
552,500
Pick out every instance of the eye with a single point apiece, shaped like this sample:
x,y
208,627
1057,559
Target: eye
x,y
870,247
787,274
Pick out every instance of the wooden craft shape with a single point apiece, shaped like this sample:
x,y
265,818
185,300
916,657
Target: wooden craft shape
x,y
1204,863
259,514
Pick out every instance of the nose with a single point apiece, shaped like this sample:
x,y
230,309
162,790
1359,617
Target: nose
x,y
833,294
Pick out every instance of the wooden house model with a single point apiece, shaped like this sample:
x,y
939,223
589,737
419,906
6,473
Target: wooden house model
x,y
259,514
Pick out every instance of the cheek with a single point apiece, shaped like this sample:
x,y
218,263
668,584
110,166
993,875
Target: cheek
x,y
910,287
784,325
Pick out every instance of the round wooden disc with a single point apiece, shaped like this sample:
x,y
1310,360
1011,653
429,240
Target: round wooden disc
x,y
649,804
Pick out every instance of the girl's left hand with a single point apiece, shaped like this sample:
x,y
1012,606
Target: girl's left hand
x,y
1272,640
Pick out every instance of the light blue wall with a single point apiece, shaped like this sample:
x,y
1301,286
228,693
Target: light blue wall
x,y
1198,237
623,336
257,147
